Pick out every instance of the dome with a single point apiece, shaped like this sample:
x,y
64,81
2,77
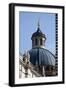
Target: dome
x,y
41,56
38,33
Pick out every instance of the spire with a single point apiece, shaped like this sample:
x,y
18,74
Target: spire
x,y
38,29
38,24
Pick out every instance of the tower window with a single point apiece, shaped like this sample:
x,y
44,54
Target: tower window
x,y
33,42
36,41
40,41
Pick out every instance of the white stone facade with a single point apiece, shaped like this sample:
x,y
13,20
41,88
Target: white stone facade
x,y
26,69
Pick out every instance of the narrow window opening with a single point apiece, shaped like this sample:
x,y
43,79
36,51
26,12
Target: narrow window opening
x,y
36,41
40,41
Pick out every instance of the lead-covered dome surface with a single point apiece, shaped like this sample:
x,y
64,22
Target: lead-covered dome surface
x,y
41,56
38,33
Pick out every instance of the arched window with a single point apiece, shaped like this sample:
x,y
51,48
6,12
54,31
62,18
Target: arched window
x,y
36,41
41,41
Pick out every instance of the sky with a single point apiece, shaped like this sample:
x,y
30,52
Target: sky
x,y
28,23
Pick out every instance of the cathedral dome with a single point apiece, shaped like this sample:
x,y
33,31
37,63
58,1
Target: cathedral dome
x,y
41,56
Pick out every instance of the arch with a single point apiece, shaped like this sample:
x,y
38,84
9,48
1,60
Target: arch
x,y
36,41
41,41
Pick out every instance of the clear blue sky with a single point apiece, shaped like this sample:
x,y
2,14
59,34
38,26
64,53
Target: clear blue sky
x,y
28,25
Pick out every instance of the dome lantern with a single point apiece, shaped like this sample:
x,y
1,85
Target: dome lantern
x,y
38,38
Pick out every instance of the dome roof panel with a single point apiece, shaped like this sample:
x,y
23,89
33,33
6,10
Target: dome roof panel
x,y
41,56
38,33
